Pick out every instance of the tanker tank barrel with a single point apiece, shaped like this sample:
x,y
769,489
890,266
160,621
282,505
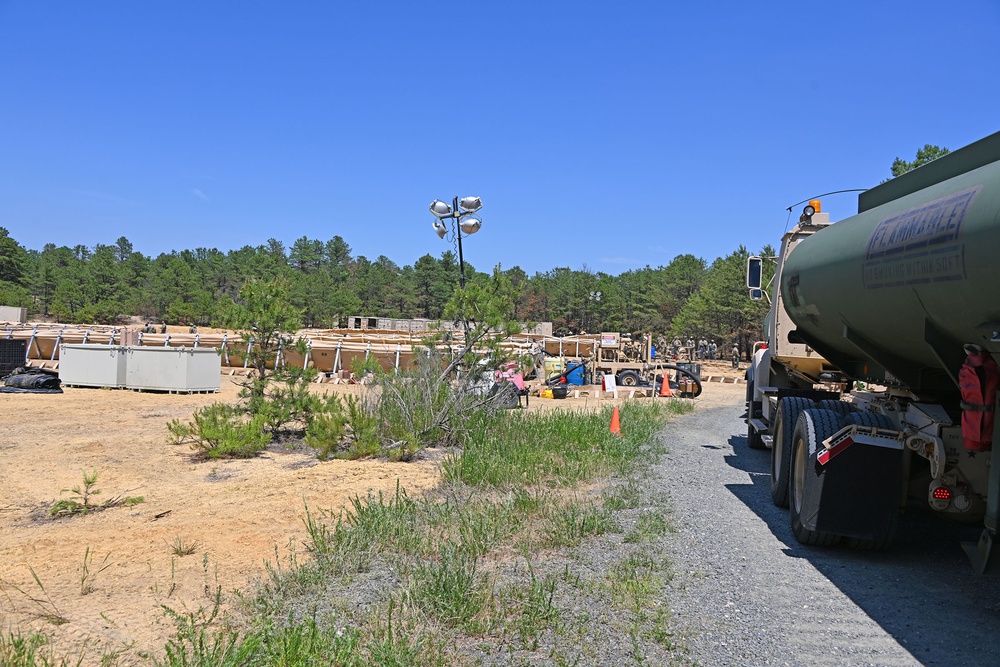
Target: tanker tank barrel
x,y
892,294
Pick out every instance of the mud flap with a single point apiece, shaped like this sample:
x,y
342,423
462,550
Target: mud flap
x,y
855,494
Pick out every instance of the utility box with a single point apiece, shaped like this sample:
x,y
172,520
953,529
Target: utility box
x,y
92,365
174,369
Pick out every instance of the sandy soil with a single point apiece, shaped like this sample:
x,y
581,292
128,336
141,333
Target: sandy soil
x,y
238,513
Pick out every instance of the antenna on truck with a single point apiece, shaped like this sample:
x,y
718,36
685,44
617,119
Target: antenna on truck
x,y
835,192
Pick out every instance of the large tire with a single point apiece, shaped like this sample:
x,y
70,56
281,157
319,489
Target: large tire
x,y
628,379
840,407
787,413
812,428
869,419
504,395
883,541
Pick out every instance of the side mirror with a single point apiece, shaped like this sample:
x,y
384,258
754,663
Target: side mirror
x,y
756,294
754,274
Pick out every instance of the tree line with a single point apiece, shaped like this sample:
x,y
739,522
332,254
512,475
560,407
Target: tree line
x,y
327,283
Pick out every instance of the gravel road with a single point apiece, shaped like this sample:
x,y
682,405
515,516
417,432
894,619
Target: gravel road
x,y
747,593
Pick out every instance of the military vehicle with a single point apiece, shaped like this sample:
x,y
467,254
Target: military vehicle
x,y
876,387
633,364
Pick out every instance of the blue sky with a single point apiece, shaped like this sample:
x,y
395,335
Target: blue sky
x,y
598,134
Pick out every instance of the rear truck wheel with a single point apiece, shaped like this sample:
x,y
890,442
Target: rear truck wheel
x,y
869,419
840,407
882,541
811,429
787,413
628,379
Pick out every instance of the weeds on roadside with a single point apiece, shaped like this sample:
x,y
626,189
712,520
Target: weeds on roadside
x,y
530,609
559,448
445,547
31,650
651,525
571,522
45,607
634,581
624,496
451,588
181,548
88,572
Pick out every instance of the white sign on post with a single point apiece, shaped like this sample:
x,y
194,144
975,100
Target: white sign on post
x,y
608,381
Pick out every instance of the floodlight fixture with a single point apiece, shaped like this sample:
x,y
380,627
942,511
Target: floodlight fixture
x,y
470,204
440,209
459,212
470,224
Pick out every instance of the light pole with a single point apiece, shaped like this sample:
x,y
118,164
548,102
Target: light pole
x,y
462,212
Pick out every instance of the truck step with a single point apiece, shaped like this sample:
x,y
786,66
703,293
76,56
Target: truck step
x,y
759,425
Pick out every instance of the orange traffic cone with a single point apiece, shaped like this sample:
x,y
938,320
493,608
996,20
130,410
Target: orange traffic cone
x,y
616,427
665,388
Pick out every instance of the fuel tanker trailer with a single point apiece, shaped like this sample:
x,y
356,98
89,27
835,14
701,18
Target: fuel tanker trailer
x,y
876,387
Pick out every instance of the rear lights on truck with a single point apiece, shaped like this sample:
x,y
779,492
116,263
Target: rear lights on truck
x,y
941,493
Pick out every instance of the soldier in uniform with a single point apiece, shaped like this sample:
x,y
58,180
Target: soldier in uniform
x,y
713,351
736,355
193,329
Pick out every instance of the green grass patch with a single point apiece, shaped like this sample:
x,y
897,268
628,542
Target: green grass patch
x,y
559,449
438,569
651,525
452,588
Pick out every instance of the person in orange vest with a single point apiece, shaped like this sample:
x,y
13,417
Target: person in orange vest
x,y
977,380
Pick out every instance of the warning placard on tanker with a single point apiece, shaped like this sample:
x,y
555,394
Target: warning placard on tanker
x,y
920,245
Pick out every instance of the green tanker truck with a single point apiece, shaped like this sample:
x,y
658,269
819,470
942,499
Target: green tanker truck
x,y
876,387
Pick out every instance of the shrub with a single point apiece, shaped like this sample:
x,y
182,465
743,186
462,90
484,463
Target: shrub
x,y
328,427
220,430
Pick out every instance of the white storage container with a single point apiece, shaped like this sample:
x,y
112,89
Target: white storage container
x,y
179,369
13,314
92,365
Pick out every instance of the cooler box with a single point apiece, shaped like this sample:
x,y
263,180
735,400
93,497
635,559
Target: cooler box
x,y
178,369
92,365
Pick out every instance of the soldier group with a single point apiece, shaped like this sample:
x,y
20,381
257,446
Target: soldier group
x,y
151,328
703,349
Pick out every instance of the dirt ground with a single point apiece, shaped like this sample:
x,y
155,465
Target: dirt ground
x,y
108,574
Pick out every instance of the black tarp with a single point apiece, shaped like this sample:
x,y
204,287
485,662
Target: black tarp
x,y
31,381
